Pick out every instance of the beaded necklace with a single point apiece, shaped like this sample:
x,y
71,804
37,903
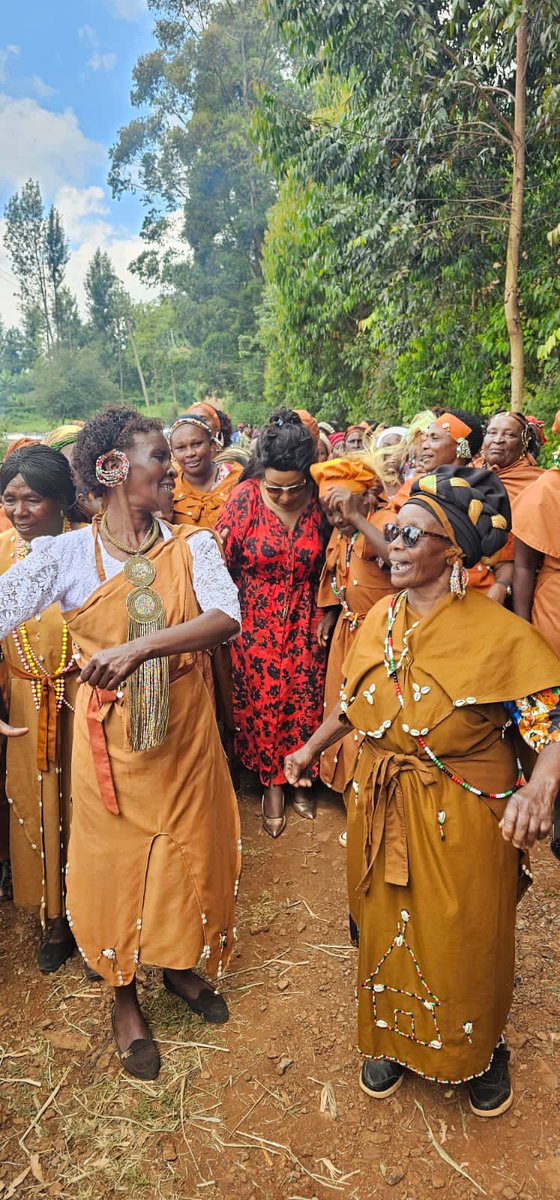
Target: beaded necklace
x,y
340,592
394,605
29,660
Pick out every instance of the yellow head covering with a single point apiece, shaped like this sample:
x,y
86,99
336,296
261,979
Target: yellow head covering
x,y
352,474
63,435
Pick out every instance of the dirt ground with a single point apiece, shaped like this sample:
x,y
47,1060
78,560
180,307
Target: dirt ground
x,y
268,1105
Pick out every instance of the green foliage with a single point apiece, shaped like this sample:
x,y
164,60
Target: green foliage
x,y
70,384
402,153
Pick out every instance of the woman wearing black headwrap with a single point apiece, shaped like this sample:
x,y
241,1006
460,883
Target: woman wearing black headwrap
x,y
38,495
440,682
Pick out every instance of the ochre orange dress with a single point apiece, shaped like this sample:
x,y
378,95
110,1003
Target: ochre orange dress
x,y
536,521
193,507
432,884
353,580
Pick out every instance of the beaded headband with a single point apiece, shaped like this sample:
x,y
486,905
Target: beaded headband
x,y
199,422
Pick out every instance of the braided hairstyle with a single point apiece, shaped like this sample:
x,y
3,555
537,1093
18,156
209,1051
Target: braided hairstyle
x,y
113,429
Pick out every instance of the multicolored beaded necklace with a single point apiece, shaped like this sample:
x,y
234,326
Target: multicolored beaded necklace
x,y
33,665
340,592
394,606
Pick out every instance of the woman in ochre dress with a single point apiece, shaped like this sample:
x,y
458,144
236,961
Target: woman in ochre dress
x,y
536,583
437,816
38,493
202,485
154,855
274,537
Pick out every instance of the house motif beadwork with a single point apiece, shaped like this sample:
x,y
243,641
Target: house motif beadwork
x,y
411,1014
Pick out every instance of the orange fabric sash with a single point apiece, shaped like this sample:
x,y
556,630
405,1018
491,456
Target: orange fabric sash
x,y
99,706
384,815
47,714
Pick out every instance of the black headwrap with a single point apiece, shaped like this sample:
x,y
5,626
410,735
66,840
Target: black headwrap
x,y
473,502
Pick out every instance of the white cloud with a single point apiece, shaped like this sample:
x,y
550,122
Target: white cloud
x,y
128,10
7,53
102,62
42,90
88,34
38,144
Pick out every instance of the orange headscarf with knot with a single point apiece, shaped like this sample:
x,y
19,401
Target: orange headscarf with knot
x,y
309,422
353,475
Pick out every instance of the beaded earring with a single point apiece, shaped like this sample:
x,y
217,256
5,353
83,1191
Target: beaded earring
x,y
112,476
459,579
463,449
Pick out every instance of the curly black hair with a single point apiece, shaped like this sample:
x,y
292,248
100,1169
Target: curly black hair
x,y
112,429
44,470
285,444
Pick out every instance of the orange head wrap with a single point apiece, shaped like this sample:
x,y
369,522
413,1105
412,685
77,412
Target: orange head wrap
x,y
209,414
19,444
354,476
453,426
309,422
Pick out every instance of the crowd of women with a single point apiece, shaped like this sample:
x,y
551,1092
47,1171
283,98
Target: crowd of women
x,y
374,607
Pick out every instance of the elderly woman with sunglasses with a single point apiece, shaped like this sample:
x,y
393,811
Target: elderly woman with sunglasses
x,y
274,536
438,821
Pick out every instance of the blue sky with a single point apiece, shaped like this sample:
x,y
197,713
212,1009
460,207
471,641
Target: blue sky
x,y
65,77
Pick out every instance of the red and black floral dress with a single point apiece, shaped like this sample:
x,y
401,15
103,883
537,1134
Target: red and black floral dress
x,y
278,664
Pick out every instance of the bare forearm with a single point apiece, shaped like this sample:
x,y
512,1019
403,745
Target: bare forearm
x,y
330,732
523,590
205,632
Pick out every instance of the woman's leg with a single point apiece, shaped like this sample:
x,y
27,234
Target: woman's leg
x,y
194,990
137,1051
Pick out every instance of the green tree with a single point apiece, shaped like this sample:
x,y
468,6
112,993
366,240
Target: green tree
x,y
193,160
70,384
38,250
417,160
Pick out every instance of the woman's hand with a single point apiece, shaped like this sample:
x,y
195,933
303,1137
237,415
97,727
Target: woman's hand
x,y
296,764
528,815
12,730
108,668
327,623
350,505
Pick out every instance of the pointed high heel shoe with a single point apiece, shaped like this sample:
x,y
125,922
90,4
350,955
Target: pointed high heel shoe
x,y
274,826
305,806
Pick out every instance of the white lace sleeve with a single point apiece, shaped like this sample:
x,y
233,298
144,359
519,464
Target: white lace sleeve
x,y
213,585
27,589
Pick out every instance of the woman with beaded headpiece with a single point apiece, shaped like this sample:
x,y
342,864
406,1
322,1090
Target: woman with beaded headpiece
x,y
38,494
438,820
202,485
154,854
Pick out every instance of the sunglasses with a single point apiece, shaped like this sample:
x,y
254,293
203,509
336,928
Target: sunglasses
x,y
275,491
409,534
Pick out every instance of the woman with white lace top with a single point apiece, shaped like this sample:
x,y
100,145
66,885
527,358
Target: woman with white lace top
x,y
154,856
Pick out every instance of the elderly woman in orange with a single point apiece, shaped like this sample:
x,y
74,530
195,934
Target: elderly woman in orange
x,y
536,525
202,485
352,581
437,816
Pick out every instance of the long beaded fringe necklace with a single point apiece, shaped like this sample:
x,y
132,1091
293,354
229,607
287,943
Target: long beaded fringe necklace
x,y
33,665
341,592
392,611
148,686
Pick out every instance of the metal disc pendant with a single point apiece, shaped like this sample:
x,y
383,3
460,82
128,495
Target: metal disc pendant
x,y
139,571
144,605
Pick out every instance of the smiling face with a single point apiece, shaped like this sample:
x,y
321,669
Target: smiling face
x,y
438,449
421,565
503,443
151,476
192,451
31,514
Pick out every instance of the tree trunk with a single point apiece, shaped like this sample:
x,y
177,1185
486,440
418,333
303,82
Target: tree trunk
x,y
511,289
138,365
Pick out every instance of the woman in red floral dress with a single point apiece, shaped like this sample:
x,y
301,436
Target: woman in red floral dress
x,y
274,538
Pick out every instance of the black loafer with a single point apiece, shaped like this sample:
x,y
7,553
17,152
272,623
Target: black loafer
x,y
142,1057
379,1077
209,1005
491,1094
53,955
